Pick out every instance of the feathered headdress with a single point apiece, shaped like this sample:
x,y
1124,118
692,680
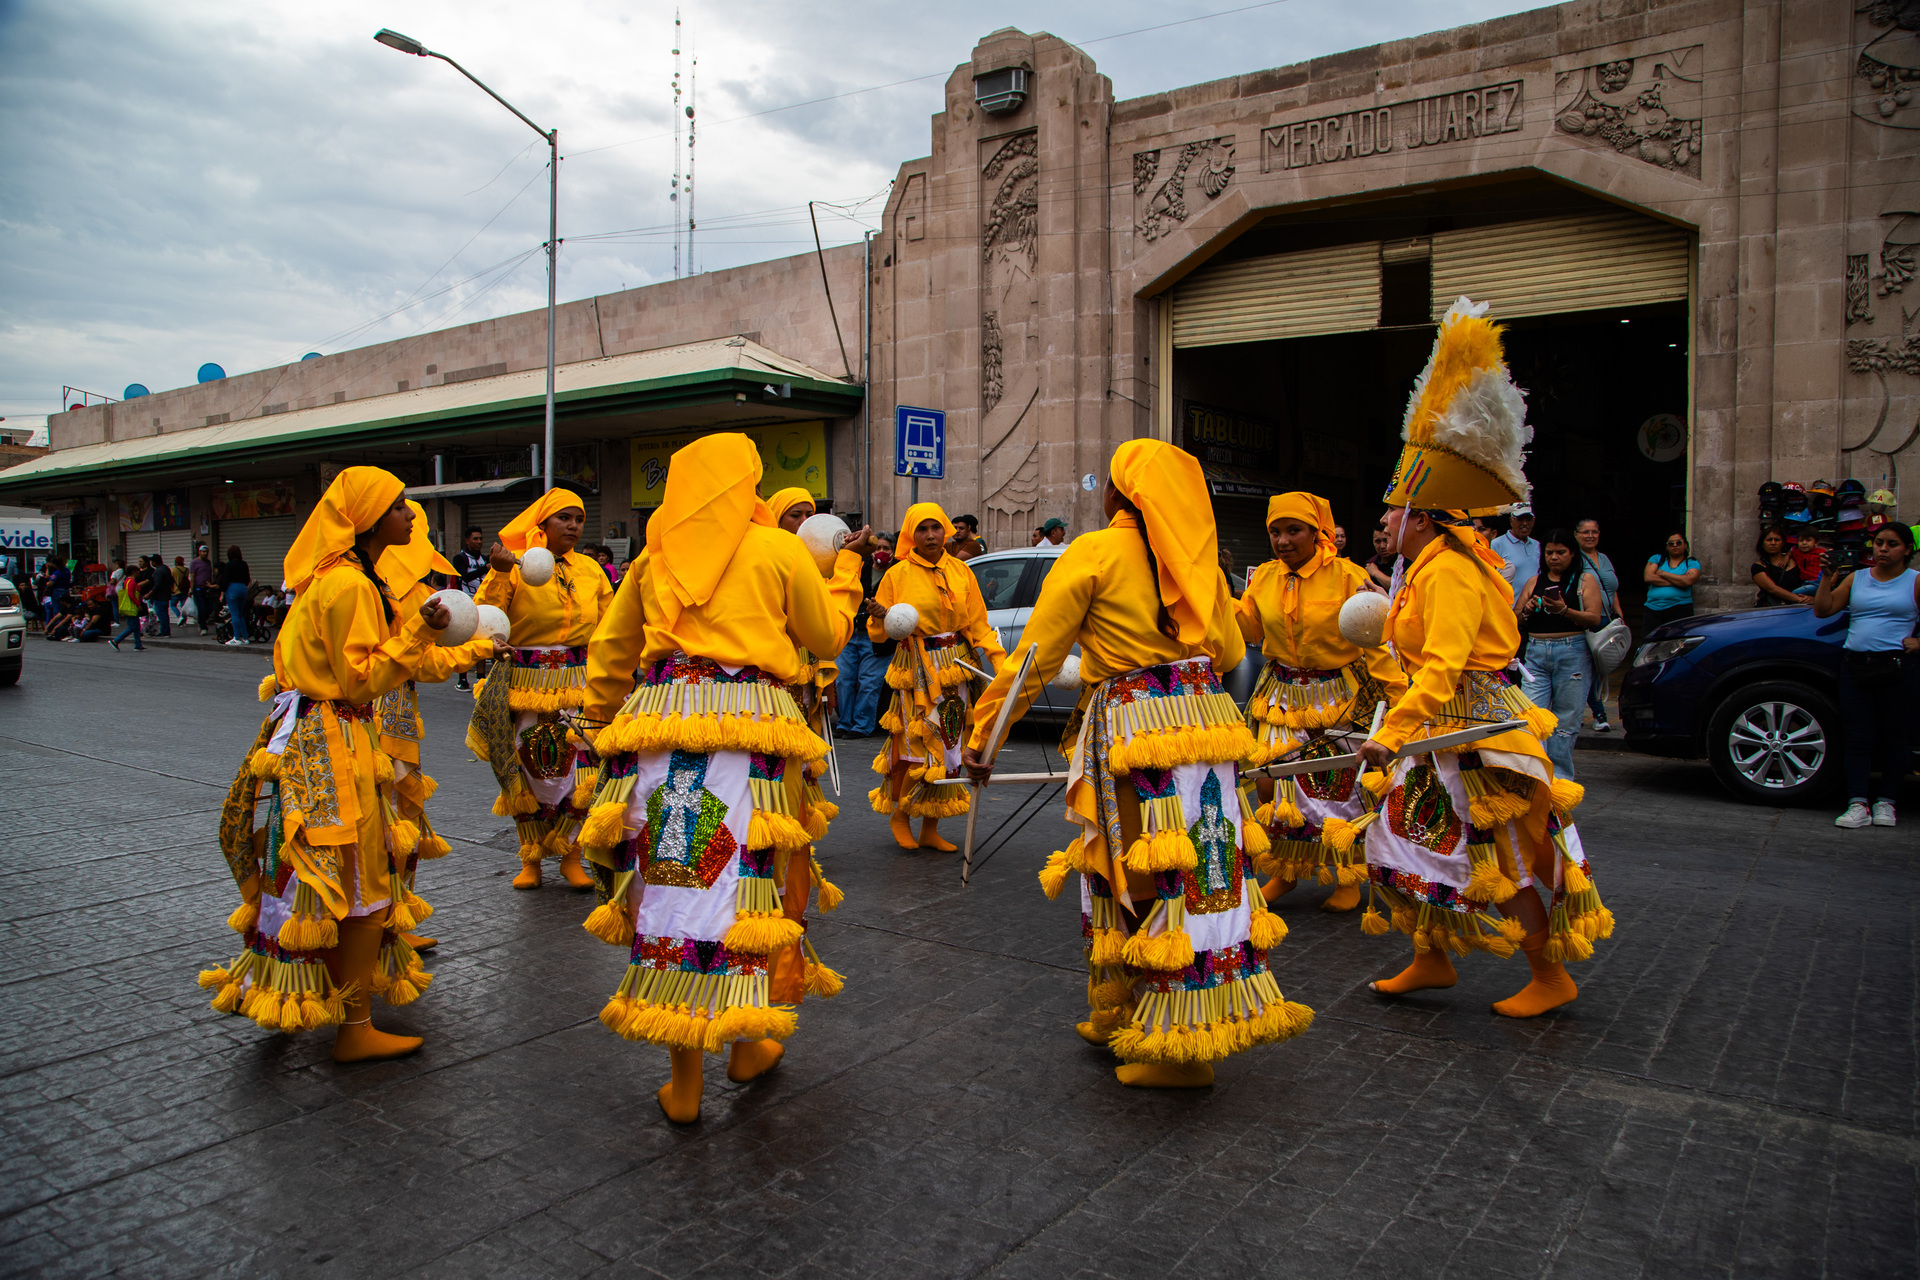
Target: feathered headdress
x,y
1466,429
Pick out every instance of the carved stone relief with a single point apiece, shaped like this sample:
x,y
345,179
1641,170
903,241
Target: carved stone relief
x,y
1010,244
1648,108
1886,75
1886,354
1205,166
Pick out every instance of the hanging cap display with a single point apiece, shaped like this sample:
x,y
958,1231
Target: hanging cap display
x,y
1465,434
1881,497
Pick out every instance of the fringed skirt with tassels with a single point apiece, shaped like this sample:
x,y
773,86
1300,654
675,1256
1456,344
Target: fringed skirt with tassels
x,y
401,731
301,890
1298,708
547,797
1456,833
1179,975
703,859
927,726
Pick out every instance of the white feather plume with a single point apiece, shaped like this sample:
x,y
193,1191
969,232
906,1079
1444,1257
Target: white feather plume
x,y
1486,423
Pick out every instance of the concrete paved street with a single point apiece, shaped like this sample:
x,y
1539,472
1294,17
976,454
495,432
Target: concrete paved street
x,y
1734,1093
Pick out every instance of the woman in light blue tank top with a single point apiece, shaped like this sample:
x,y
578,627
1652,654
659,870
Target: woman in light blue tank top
x,y
1876,680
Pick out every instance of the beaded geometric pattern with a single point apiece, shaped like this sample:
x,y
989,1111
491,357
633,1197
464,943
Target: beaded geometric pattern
x,y
1421,811
1214,884
686,840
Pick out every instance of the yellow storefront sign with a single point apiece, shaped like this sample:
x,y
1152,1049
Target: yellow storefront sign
x,y
792,453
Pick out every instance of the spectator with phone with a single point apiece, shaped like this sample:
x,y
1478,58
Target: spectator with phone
x,y
1776,573
1883,609
1670,578
1557,607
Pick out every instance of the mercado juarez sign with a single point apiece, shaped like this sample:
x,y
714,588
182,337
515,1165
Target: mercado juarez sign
x,y
1399,126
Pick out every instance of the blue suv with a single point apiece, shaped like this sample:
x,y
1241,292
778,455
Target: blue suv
x,y
1753,692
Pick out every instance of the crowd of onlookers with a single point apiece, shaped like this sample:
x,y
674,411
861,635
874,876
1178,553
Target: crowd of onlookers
x,y
151,597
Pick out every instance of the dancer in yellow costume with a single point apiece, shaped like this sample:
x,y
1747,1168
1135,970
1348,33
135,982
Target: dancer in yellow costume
x,y
700,856
543,672
814,689
403,569
1177,931
1315,680
310,828
1454,833
933,694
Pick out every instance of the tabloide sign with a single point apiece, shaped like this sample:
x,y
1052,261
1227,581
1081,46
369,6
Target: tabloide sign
x,y
1424,122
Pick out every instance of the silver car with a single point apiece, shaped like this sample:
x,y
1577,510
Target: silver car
x,y
1010,583
13,633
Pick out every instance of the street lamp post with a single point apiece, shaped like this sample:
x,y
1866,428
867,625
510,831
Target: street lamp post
x,y
407,44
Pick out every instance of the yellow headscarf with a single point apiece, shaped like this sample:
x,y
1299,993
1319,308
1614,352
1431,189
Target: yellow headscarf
x,y
402,566
711,498
352,504
525,530
786,499
1170,492
918,514
1309,509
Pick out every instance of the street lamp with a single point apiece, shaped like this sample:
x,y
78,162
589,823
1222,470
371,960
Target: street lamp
x,y
407,44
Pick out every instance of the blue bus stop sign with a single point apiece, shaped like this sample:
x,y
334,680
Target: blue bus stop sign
x,y
919,442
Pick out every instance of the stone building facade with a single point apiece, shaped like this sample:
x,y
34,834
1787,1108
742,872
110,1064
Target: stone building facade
x,y
1699,218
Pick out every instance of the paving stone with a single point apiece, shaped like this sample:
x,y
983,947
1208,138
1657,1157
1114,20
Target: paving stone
x,y
1733,1093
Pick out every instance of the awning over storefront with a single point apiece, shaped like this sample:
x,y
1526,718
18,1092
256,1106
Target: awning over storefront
x,y
735,373
462,490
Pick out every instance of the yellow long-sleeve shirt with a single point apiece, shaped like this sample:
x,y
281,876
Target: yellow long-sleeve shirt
x,y
1102,595
337,645
770,598
564,611
1452,615
1311,640
441,661
947,596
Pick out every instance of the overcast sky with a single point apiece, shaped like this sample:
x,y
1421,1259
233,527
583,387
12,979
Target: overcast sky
x,y
243,183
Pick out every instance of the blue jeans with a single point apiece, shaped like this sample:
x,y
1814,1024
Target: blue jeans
x,y
1558,673
863,678
130,627
237,610
162,606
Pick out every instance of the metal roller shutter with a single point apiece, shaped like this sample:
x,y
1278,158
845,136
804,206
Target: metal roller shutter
x,y
1287,295
166,543
263,543
491,514
1582,263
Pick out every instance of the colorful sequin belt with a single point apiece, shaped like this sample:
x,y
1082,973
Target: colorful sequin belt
x,y
678,685
343,710
550,658
1170,695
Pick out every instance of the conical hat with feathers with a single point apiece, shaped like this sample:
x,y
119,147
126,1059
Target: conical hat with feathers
x,y
1466,431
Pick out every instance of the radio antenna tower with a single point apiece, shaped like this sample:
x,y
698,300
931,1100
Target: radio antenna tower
x,y
693,82
673,192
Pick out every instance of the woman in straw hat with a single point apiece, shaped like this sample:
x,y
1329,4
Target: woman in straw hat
x,y
699,853
1486,825
404,569
1316,681
933,693
1178,931
517,724
310,828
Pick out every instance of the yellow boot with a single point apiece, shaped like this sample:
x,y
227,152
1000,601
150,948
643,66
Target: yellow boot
x,y
751,1059
571,870
351,966
1345,898
1165,1075
902,828
1550,988
1430,971
529,877
680,1096
930,837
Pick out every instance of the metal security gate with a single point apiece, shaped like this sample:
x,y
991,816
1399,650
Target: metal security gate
x,y
1588,262
493,513
1284,295
263,542
165,543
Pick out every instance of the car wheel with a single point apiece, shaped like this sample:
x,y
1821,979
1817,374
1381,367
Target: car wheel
x,y
1775,743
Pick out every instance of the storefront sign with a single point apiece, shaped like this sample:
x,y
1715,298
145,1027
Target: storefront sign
x,y
146,512
1424,122
1227,438
250,501
793,455
26,533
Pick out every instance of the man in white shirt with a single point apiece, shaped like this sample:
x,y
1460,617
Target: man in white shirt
x,y
1519,553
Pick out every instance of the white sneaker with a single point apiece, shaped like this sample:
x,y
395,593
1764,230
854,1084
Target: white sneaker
x,y
239,641
1883,813
1856,816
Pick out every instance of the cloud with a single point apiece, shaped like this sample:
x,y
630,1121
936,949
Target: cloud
x,y
206,180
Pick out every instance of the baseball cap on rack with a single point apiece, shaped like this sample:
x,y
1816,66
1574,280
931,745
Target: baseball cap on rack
x,y
1881,497
1772,500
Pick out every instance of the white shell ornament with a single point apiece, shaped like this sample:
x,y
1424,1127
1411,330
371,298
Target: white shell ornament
x,y
1068,676
536,566
901,621
494,623
1363,617
822,535
463,617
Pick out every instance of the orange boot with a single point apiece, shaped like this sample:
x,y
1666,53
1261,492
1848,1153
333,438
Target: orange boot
x,y
1165,1075
351,966
930,837
751,1059
571,870
1276,888
1430,971
680,1097
1551,986
902,828
1345,898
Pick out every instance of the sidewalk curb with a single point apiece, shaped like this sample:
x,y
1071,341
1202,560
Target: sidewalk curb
x,y
213,646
